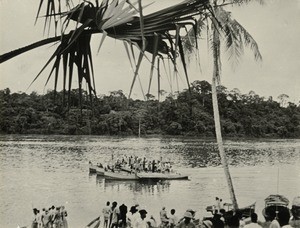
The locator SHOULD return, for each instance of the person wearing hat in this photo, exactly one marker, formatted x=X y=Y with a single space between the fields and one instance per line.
x=295 y=220
x=132 y=216
x=141 y=222
x=187 y=221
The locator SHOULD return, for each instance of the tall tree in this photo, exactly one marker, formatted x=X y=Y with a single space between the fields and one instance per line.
x=235 y=36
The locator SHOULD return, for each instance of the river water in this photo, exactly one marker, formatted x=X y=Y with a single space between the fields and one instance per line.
x=41 y=171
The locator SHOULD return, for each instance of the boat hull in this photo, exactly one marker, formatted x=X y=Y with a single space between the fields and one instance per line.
x=119 y=176
x=161 y=176
x=100 y=171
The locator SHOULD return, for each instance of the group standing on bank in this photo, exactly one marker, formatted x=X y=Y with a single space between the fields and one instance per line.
x=52 y=217
x=114 y=216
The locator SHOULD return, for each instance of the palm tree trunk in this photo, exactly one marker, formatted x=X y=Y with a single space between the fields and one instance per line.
x=216 y=76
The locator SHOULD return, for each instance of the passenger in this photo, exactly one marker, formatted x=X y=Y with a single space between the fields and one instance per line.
x=163 y=217
x=253 y=223
x=115 y=215
x=106 y=211
x=141 y=222
x=173 y=220
x=295 y=220
x=187 y=221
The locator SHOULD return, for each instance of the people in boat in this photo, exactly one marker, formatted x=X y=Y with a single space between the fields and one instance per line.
x=295 y=210
x=187 y=221
x=106 y=211
x=115 y=215
x=163 y=216
x=253 y=224
x=173 y=219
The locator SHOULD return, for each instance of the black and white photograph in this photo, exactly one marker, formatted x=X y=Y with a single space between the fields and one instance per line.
x=150 y=114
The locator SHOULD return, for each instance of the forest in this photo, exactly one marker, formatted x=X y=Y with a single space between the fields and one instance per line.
x=186 y=113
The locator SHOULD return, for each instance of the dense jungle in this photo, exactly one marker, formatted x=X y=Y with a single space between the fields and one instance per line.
x=187 y=113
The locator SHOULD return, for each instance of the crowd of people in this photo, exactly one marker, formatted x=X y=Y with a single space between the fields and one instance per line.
x=138 y=164
x=52 y=217
x=114 y=216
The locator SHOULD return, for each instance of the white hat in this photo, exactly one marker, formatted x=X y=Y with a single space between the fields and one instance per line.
x=188 y=215
x=296 y=201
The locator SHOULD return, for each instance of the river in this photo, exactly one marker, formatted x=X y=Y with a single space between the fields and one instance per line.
x=44 y=170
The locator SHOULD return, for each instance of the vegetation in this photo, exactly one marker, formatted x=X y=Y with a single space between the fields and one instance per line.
x=242 y=115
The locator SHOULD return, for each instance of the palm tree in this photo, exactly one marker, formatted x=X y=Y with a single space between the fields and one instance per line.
x=235 y=37
x=157 y=33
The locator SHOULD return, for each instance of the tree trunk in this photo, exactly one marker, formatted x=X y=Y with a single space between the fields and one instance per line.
x=215 y=78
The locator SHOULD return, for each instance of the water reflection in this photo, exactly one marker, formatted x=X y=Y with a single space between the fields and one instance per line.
x=147 y=187
x=46 y=170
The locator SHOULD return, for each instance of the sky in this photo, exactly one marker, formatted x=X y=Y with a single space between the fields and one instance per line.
x=275 y=26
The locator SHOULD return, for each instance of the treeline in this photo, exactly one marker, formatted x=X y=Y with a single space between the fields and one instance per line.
x=187 y=113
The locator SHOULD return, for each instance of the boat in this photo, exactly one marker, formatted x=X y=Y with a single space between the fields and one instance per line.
x=92 y=167
x=98 y=169
x=274 y=204
x=120 y=175
x=245 y=212
x=161 y=176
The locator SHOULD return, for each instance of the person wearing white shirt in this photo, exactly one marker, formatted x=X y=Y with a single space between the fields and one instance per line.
x=173 y=220
x=253 y=223
x=141 y=222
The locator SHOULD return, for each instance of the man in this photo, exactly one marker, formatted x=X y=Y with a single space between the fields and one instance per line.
x=295 y=221
x=284 y=218
x=186 y=222
x=173 y=220
x=216 y=207
x=163 y=216
x=132 y=216
x=106 y=211
x=253 y=223
x=141 y=221
x=115 y=215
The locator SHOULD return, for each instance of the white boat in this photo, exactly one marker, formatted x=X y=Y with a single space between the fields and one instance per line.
x=120 y=176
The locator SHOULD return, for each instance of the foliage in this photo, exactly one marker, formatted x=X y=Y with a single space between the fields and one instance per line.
x=242 y=115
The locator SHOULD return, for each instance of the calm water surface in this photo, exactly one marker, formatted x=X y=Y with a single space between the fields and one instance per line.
x=41 y=171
